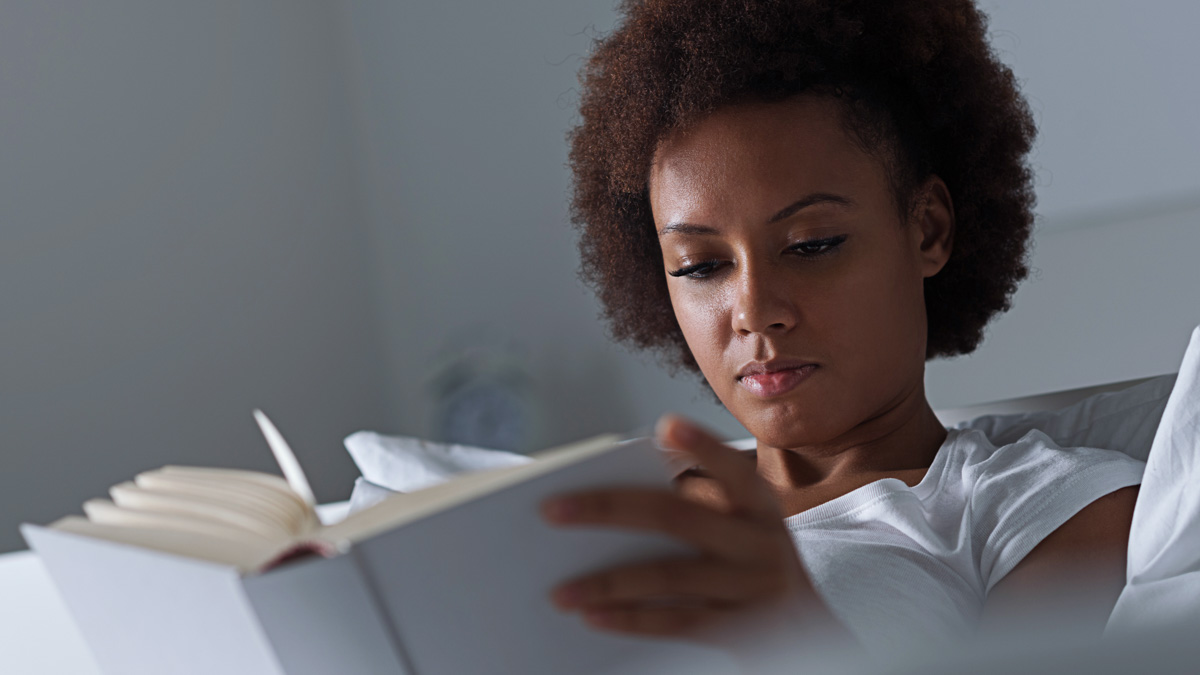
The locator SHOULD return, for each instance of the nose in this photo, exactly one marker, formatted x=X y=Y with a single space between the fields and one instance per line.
x=762 y=303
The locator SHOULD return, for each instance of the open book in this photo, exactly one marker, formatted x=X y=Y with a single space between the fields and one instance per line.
x=253 y=520
x=180 y=571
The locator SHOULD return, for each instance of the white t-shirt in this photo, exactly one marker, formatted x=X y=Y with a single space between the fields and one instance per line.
x=902 y=566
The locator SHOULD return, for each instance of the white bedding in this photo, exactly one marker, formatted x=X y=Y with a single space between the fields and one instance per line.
x=1163 y=575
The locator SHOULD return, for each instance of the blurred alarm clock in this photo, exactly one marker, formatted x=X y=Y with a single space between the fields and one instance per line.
x=484 y=397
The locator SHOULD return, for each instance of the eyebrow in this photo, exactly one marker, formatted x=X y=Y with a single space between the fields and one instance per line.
x=787 y=212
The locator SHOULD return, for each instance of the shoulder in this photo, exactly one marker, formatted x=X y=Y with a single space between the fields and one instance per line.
x=1079 y=568
x=1021 y=493
x=1100 y=526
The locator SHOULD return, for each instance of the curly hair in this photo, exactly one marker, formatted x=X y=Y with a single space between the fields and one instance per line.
x=920 y=89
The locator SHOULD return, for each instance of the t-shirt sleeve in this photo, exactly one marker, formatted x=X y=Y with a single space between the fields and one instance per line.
x=1028 y=489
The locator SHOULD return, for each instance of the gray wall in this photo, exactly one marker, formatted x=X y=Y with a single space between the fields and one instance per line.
x=1113 y=86
x=1115 y=290
x=462 y=109
x=1106 y=303
x=180 y=242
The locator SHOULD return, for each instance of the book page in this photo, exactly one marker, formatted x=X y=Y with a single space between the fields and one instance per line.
x=264 y=524
x=243 y=518
x=261 y=496
x=245 y=553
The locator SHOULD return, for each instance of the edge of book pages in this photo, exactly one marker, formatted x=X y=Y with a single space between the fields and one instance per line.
x=251 y=554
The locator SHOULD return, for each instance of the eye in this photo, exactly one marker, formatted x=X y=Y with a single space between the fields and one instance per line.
x=698 y=271
x=815 y=248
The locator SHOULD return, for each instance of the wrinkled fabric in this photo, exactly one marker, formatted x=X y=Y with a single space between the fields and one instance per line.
x=910 y=567
x=1163 y=573
x=404 y=464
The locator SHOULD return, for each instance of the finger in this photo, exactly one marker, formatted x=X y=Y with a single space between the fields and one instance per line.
x=736 y=474
x=723 y=535
x=655 y=621
x=697 y=487
x=707 y=580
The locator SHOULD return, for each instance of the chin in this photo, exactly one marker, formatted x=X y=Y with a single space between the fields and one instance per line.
x=788 y=439
x=786 y=424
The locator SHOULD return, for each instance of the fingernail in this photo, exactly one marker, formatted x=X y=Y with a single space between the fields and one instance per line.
x=684 y=431
x=662 y=425
x=560 y=510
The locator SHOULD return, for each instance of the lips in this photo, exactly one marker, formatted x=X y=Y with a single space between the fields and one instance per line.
x=775 y=377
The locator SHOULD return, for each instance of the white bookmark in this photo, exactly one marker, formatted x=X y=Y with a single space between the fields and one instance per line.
x=286 y=459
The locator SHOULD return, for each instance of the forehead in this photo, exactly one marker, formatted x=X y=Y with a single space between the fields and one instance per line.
x=762 y=152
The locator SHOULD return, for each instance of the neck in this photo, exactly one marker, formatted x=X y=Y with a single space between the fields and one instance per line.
x=901 y=439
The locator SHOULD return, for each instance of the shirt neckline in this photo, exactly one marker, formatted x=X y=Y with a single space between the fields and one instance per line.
x=875 y=490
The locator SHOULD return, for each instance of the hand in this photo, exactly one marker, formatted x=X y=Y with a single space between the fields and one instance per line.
x=747 y=564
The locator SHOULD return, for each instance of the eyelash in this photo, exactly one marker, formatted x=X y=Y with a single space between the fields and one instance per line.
x=703 y=270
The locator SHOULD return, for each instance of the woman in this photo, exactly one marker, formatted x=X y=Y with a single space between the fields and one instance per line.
x=804 y=201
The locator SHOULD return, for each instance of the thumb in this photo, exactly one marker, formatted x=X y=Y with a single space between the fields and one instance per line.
x=730 y=468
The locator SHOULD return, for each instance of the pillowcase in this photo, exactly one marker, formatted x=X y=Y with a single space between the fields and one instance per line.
x=1125 y=420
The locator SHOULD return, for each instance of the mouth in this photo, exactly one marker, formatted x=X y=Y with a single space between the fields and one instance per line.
x=774 y=378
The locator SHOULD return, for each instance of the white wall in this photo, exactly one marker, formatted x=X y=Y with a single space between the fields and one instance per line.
x=180 y=243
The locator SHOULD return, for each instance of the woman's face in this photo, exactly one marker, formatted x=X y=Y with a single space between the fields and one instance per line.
x=798 y=288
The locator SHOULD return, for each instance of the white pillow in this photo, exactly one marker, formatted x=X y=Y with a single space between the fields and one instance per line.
x=403 y=464
x=1123 y=420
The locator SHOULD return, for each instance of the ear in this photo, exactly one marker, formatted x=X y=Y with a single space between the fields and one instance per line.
x=933 y=225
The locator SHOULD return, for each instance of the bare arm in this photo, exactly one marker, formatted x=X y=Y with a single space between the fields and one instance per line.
x=1078 y=571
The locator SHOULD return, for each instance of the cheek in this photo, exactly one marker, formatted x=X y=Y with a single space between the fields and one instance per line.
x=879 y=321
x=703 y=316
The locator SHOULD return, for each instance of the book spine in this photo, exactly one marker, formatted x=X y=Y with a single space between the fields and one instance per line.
x=321 y=616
